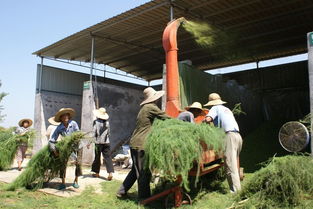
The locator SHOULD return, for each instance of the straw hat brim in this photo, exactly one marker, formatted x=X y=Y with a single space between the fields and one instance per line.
x=191 y=107
x=53 y=122
x=215 y=102
x=58 y=115
x=30 y=122
x=100 y=115
x=153 y=98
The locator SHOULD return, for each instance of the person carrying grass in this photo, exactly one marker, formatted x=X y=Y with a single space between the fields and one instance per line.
x=23 y=128
x=148 y=113
x=66 y=127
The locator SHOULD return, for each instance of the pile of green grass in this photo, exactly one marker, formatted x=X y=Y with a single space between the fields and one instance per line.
x=8 y=146
x=284 y=182
x=173 y=146
x=44 y=166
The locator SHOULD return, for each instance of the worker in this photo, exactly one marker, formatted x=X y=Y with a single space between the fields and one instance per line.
x=101 y=131
x=23 y=128
x=223 y=117
x=66 y=127
x=148 y=113
x=191 y=112
x=51 y=128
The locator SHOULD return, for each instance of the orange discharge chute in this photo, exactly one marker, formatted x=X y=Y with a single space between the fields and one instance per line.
x=172 y=74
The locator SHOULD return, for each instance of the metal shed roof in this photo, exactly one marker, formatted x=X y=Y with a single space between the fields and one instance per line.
x=132 y=41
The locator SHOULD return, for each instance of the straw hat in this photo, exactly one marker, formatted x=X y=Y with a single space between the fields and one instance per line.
x=151 y=95
x=63 y=111
x=101 y=113
x=30 y=122
x=53 y=122
x=214 y=99
x=195 y=105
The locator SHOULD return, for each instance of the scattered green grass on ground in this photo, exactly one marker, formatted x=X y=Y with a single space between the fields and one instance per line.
x=219 y=198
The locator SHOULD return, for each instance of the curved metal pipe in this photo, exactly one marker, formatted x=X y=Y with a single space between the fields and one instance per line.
x=172 y=74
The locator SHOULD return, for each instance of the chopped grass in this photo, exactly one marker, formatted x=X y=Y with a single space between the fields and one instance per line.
x=284 y=182
x=204 y=199
x=202 y=32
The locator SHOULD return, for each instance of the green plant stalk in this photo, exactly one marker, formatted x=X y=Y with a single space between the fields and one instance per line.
x=173 y=146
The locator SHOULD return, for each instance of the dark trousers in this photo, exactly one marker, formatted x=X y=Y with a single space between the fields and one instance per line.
x=106 y=152
x=137 y=172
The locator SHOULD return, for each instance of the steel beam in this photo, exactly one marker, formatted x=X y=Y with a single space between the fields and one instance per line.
x=92 y=59
x=40 y=75
x=310 y=67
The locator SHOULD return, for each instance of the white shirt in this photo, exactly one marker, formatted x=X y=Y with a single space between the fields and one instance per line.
x=50 y=131
x=224 y=118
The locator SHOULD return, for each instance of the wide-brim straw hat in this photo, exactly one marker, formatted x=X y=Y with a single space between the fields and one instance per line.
x=214 y=99
x=151 y=95
x=101 y=113
x=63 y=111
x=53 y=122
x=30 y=122
x=195 y=105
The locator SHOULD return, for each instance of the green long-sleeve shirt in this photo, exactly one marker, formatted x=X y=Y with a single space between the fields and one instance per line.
x=145 y=118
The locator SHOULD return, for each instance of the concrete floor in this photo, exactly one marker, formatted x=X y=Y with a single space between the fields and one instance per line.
x=84 y=181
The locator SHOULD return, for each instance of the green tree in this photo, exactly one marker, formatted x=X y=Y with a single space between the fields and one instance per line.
x=2 y=95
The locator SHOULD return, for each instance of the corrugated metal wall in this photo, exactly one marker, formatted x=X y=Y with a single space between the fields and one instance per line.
x=60 y=80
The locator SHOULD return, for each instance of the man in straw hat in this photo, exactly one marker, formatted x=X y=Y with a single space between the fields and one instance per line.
x=191 y=112
x=66 y=127
x=101 y=131
x=23 y=128
x=223 y=117
x=148 y=112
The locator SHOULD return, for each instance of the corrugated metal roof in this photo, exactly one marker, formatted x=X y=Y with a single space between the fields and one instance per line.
x=132 y=41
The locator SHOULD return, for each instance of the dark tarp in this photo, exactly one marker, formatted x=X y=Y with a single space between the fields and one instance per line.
x=270 y=97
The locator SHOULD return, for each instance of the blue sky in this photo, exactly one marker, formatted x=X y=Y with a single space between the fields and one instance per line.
x=29 y=25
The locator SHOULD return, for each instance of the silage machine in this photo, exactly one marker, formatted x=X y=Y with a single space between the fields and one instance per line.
x=210 y=161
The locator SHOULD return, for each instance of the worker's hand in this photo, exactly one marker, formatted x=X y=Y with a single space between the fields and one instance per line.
x=207 y=119
x=88 y=146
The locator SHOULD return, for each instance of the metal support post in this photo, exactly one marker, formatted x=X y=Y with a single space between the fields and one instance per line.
x=92 y=57
x=310 y=68
x=40 y=75
x=171 y=11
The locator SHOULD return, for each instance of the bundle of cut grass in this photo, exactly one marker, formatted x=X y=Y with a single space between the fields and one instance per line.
x=173 y=146
x=8 y=146
x=7 y=155
x=43 y=166
x=284 y=182
x=5 y=134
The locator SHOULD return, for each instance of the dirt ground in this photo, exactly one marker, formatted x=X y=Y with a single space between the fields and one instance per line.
x=84 y=181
